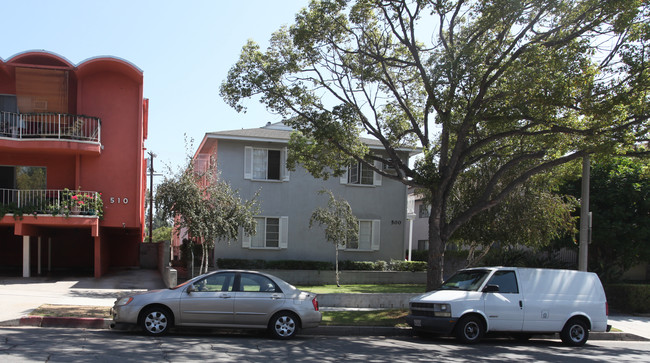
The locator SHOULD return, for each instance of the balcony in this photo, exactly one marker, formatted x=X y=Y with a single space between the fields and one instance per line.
x=53 y=202
x=55 y=132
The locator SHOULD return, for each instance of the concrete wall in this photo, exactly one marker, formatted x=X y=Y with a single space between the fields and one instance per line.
x=298 y=198
x=149 y=255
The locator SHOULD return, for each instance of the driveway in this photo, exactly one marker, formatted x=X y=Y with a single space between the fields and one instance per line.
x=20 y=295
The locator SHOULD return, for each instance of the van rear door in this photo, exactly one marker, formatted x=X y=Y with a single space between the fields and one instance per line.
x=504 y=309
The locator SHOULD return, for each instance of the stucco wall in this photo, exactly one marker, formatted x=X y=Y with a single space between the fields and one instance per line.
x=298 y=198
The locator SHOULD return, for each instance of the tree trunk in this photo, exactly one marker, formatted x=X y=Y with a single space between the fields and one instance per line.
x=436 y=260
x=336 y=247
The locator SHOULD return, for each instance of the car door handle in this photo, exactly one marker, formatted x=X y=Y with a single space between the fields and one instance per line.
x=521 y=304
x=275 y=297
x=225 y=296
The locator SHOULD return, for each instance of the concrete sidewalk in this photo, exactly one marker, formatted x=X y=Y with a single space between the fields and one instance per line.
x=20 y=296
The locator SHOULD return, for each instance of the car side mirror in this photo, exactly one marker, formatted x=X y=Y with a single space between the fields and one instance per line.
x=190 y=289
x=491 y=288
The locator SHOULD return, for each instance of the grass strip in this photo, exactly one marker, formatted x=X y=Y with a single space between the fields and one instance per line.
x=72 y=311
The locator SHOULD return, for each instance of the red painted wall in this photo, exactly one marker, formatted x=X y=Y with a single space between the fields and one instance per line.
x=111 y=89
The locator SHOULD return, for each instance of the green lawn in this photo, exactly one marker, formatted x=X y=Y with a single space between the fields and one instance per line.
x=369 y=288
x=392 y=317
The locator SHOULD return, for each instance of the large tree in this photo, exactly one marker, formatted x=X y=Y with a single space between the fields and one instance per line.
x=204 y=206
x=514 y=88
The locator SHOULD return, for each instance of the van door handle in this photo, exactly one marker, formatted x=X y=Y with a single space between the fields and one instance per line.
x=521 y=304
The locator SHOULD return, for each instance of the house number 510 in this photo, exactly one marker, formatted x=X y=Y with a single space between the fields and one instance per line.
x=119 y=200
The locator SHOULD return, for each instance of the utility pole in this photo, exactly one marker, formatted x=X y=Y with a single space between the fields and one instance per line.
x=584 y=216
x=151 y=156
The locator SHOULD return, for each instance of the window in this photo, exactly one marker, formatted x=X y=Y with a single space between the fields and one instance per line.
x=270 y=232
x=361 y=174
x=23 y=177
x=267 y=232
x=469 y=280
x=216 y=282
x=424 y=211
x=256 y=283
x=368 y=236
x=506 y=280
x=265 y=164
x=423 y=245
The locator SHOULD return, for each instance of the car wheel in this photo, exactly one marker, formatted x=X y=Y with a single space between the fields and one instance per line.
x=284 y=325
x=575 y=333
x=470 y=329
x=156 y=321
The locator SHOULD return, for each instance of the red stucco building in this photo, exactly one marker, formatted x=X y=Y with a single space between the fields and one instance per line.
x=72 y=166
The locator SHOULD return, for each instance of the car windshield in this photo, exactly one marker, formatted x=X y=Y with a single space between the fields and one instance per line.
x=469 y=280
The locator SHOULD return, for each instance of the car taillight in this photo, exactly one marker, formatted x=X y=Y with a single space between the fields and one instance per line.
x=315 y=303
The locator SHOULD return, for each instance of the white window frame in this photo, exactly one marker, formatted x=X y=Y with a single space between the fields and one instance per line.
x=249 y=162
x=358 y=170
x=374 y=243
x=283 y=237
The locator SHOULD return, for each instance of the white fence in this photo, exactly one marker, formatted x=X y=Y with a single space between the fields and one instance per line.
x=50 y=126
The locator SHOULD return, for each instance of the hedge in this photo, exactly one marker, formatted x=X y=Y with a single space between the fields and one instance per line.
x=629 y=298
x=394 y=265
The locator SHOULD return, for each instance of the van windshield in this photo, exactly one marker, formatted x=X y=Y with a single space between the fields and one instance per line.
x=469 y=280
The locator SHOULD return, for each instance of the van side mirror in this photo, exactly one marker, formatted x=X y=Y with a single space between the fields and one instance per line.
x=491 y=288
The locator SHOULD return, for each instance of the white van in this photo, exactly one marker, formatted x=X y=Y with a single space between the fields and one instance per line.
x=522 y=301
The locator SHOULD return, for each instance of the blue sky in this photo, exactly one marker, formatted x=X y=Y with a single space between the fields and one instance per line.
x=185 y=49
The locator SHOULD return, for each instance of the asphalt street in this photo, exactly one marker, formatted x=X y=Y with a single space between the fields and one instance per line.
x=25 y=344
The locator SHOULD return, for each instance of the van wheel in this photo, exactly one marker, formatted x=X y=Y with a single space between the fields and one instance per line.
x=470 y=329
x=575 y=333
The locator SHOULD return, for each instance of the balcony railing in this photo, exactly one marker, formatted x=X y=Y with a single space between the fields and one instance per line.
x=60 y=126
x=51 y=201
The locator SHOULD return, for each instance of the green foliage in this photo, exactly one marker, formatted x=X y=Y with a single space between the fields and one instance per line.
x=339 y=222
x=502 y=90
x=162 y=234
x=620 y=205
x=341 y=226
x=233 y=263
x=526 y=257
x=629 y=298
x=205 y=206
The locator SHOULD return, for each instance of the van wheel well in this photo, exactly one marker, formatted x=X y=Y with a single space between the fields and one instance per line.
x=583 y=318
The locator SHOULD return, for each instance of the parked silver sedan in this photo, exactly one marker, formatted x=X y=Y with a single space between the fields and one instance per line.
x=224 y=298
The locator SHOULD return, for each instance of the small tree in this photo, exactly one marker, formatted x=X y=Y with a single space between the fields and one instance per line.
x=207 y=207
x=340 y=224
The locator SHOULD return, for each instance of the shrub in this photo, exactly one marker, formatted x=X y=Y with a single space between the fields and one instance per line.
x=394 y=265
x=413 y=266
x=629 y=298
x=235 y=263
x=357 y=265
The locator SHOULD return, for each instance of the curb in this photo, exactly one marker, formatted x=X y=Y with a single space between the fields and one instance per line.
x=99 y=323
x=52 y=322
